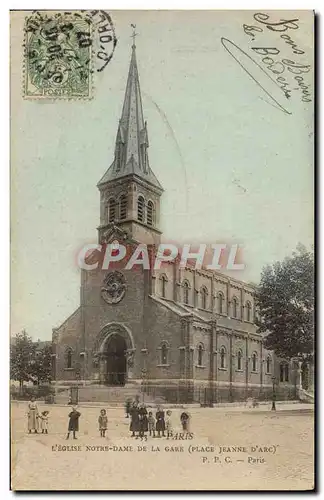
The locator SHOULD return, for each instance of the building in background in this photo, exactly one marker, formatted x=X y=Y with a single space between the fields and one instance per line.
x=178 y=333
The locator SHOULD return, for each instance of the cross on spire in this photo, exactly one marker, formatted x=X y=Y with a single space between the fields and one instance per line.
x=134 y=34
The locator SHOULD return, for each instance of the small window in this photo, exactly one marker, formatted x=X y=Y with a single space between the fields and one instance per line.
x=69 y=358
x=235 y=307
x=163 y=285
x=223 y=357
x=239 y=360
x=204 y=294
x=141 y=209
x=112 y=210
x=220 y=303
x=254 y=361
x=248 y=309
x=150 y=213
x=284 y=372
x=164 y=354
x=123 y=207
x=200 y=354
x=268 y=365
x=186 y=292
x=281 y=373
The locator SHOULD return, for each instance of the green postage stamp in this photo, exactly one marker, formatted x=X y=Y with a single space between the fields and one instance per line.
x=58 y=55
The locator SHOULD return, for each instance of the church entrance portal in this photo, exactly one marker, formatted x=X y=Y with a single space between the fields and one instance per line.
x=116 y=365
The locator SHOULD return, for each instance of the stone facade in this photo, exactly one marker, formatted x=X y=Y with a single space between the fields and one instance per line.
x=183 y=334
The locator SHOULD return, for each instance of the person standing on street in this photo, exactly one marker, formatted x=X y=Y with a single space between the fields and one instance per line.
x=74 y=416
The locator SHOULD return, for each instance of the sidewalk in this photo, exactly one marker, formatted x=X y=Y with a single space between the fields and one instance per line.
x=264 y=406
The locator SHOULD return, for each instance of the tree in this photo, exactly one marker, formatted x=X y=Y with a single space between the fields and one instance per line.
x=22 y=351
x=285 y=298
x=41 y=364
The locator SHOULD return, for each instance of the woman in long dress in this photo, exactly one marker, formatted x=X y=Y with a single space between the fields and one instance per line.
x=134 y=425
x=32 y=416
x=160 y=421
x=143 y=422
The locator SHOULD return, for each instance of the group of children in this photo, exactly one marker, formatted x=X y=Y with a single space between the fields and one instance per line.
x=159 y=425
x=142 y=421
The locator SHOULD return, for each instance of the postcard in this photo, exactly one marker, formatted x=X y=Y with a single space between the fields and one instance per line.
x=162 y=250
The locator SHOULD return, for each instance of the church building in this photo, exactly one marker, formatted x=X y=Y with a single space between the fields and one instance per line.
x=182 y=334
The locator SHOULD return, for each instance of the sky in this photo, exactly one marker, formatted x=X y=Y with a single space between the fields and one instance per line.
x=235 y=167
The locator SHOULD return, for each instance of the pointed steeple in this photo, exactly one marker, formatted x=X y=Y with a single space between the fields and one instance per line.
x=132 y=139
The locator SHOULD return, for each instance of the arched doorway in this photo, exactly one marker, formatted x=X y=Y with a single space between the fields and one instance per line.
x=113 y=355
x=116 y=366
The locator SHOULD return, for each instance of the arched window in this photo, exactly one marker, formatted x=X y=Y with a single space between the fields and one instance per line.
x=164 y=353
x=204 y=293
x=220 y=302
x=284 y=372
x=112 y=210
x=150 y=213
x=200 y=354
x=254 y=361
x=268 y=364
x=123 y=207
x=186 y=292
x=222 y=357
x=248 y=308
x=69 y=358
x=141 y=209
x=239 y=360
x=164 y=281
x=287 y=373
x=234 y=307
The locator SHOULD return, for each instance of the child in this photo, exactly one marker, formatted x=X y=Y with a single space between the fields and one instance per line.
x=73 y=422
x=43 y=420
x=168 y=423
x=151 y=424
x=184 y=419
x=103 y=422
x=128 y=405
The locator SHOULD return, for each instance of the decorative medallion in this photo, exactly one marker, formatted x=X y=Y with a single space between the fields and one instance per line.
x=114 y=287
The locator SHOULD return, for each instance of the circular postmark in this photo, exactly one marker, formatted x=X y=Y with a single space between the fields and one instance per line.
x=104 y=38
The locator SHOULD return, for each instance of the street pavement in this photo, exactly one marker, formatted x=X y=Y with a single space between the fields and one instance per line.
x=228 y=448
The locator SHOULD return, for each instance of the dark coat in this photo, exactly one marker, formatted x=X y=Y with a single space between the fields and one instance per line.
x=134 y=425
x=74 y=420
x=160 y=422
x=143 y=422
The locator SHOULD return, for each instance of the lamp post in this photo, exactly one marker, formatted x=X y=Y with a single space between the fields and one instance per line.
x=144 y=373
x=273 y=407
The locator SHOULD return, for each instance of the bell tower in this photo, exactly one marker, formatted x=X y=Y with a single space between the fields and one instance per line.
x=129 y=191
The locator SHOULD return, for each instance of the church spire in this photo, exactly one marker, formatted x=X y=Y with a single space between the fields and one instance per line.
x=131 y=146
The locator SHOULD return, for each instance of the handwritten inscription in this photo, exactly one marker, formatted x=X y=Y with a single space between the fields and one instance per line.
x=276 y=74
